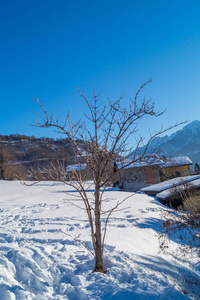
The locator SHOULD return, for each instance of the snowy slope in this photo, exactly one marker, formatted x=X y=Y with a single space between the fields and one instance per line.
x=38 y=261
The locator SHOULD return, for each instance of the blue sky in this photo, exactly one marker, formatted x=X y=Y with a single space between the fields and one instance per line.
x=49 y=46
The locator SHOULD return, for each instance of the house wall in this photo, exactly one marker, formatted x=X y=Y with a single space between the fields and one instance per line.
x=173 y=172
x=133 y=179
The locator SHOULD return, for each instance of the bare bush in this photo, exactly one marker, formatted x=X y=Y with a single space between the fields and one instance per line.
x=192 y=202
x=181 y=232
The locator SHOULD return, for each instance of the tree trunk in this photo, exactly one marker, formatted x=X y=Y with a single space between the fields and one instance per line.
x=98 y=241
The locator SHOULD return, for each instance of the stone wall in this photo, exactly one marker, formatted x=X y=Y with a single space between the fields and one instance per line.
x=133 y=179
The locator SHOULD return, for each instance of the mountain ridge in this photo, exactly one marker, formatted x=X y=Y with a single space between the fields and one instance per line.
x=185 y=141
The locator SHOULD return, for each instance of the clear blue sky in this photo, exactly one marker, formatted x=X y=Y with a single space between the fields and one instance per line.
x=49 y=46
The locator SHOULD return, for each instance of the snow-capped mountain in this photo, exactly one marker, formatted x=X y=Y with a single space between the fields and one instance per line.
x=183 y=142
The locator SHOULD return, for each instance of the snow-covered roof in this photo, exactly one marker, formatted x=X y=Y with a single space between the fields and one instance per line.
x=140 y=161
x=167 y=194
x=159 y=187
x=177 y=161
x=77 y=167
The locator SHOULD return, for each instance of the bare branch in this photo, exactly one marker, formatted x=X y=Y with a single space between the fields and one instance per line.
x=79 y=242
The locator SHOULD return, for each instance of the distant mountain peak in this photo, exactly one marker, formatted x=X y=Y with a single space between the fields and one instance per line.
x=184 y=142
x=193 y=123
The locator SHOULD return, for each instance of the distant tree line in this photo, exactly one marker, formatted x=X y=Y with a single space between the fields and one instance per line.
x=21 y=154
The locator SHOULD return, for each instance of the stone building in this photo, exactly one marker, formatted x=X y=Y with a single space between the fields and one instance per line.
x=175 y=167
x=142 y=172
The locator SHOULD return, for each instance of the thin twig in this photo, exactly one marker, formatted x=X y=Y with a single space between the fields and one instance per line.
x=79 y=242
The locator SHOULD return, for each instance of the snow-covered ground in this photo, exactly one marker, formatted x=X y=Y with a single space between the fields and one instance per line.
x=39 y=261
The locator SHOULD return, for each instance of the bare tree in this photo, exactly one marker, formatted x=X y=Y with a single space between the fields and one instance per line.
x=112 y=124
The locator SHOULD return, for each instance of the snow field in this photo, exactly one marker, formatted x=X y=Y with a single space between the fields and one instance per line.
x=39 y=261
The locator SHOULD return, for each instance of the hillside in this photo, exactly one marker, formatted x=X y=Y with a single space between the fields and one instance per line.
x=39 y=261
x=20 y=153
x=183 y=142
